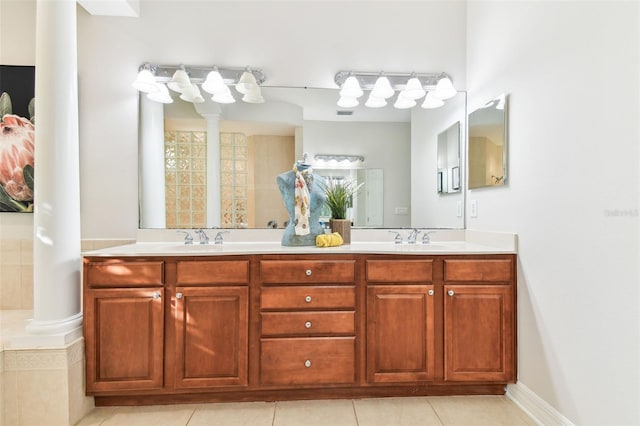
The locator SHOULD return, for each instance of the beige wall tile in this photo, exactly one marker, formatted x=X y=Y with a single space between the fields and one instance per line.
x=10 y=398
x=48 y=391
x=26 y=252
x=10 y=252
x=26 y=287
x=79 y=404
x=10 y=287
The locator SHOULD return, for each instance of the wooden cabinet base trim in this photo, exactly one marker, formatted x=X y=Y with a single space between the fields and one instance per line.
x=227 y=395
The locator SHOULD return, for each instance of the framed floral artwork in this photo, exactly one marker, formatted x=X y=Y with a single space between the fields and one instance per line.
x=17 y=137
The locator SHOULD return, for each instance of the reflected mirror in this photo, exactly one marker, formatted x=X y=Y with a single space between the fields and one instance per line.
x=448 y=173
x=187 y=151
x=488 y=144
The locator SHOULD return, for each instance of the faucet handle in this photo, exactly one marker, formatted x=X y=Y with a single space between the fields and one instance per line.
x=204 y=238
x=398 y=237
x=188 y=238
x=219 y=239
x=426 y=239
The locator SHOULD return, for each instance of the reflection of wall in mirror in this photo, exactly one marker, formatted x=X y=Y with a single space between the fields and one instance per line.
x=486 y=166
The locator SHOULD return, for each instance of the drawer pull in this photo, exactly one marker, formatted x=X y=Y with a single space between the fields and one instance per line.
x=308 y=272
x=307 y=363
x=307 y=324
x=450 y=293
x=307 y=299
x=156 y=295
x=430 y=292
x=178 y=295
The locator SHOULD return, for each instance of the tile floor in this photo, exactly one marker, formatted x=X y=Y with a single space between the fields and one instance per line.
x=440 y=410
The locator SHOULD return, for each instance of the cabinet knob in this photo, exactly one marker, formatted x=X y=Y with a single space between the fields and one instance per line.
x=307 y=299
x=308 y=272
x=450 y=293
x=430 y=292
x=178 y=295
x=307 y=363
x=307 y=324
x=156 y=295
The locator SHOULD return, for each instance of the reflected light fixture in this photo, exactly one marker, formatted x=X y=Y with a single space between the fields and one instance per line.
x=412 y=86
x=347 y=102
x=185 y=80
x=337 y=160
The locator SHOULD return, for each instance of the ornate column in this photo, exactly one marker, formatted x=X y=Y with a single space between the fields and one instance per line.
x=56 y=245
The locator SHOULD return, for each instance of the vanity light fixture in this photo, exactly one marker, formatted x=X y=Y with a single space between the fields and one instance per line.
x=432 y=101
x=214 y=80
x=161 y=95
x=336 y=160
x=411 y=86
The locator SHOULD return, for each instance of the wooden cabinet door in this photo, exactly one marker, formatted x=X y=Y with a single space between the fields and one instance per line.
x=400 y=333
x=124 y=333
x=479 y=333
x=212 y=328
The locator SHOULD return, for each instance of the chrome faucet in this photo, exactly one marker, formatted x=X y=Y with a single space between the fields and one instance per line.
x=188 y=238
x=413 y=236
x=398 y=237
x=426 y=239
x=204 y=238
x=219 y=239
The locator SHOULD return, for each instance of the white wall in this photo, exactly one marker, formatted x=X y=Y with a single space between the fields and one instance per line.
x=572 y=71
x=385 y=146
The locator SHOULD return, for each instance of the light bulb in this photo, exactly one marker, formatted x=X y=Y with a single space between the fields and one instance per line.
x=214 y=83
x=445 y=89
x=180 y=81
x=347 y=102
x=145 y=82
x=432 y=101
x=373 y=102
x=414 y=89
x=382 y=88
x=351 y=88
x=162 y=95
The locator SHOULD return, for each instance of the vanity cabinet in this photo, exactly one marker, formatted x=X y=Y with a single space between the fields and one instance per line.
x=400 y=321
x=163 y=329
x=479 y=320
x=211 y=323
x=307 y=322
x=123 y=325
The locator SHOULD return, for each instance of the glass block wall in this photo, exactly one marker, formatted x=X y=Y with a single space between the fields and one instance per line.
x=234 y=158
x=186 y=178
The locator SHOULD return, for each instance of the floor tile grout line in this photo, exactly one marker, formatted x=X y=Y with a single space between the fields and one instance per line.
x=273 y=418
x=355 y=412
x=435 y=411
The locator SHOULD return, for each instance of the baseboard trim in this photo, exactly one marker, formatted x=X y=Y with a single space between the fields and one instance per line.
x=537 y=408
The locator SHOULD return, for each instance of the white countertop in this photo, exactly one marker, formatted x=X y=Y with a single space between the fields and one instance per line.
x=246 y=248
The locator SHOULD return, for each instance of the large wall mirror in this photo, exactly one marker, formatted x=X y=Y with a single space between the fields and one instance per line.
x=488 y=144
x=210 y=164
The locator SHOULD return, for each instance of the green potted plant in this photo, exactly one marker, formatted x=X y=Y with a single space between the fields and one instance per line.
x=339 y=193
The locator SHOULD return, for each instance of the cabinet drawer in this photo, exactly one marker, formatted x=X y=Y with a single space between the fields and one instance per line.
x=125 y=274
x=478 y=270
x=308 y=323
x=212 y=272
x=307 y=271
x=308 y=297
x=307 y=361
x=387 y=271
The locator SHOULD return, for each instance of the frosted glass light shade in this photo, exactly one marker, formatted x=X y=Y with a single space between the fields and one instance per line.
x=162 y=95
x=180 y=81
x=214 y=83
x=373 y=102
x=351 y=88
x=224 y=98
x=347 y=102
x=414 y=89
x=432 y=101
x=382 y=88
x=246 y=83
x=403 y=102
x=145 y=82
x=445 y=89
x=192 y=94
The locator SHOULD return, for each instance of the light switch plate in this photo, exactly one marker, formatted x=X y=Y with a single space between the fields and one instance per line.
x=459 y=209
x=402 y=210
x=473 y=208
